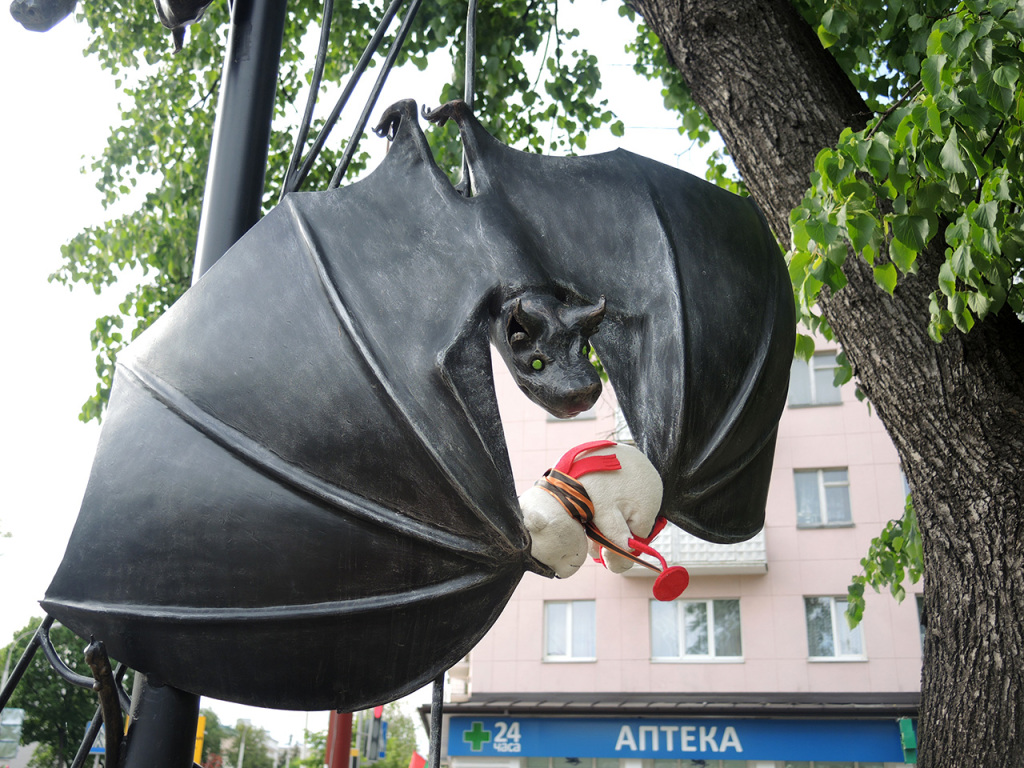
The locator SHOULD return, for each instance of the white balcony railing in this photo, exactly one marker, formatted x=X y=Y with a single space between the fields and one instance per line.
x=704 y=558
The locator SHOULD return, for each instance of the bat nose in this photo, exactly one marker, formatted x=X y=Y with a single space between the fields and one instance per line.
x=586 y=396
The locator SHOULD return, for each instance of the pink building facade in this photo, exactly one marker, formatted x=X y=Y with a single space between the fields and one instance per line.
x=754 y=666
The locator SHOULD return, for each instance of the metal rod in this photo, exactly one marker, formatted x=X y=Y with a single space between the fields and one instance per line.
x=26 y=658
x=238 y=157
x=62 y=669
x=339 y=105
x=436 y=713
x=90 y=738
x=122 y=696
x=314 y=88
x=371 y=102
x=469 y=89
x=469 y=84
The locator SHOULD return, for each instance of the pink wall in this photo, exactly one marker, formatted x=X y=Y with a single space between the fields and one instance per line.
x=812 y=562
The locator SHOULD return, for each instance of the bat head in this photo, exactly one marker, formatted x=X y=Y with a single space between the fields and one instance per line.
x=546 y=345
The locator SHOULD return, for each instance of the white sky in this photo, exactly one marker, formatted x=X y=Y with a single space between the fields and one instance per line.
x=58 y=107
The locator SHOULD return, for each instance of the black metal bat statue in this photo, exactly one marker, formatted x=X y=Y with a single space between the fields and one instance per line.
x=302 y=496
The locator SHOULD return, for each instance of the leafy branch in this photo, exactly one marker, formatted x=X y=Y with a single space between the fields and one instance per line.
x=894 y=556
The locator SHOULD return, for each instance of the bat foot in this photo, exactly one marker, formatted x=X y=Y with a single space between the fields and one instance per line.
x=456 y=110
x=393 y=116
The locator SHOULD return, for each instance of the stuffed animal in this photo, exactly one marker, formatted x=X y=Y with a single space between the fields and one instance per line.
x=615 y=507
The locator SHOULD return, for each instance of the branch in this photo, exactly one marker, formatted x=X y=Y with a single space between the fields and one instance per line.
x=201 y=101
x=995 y=135
x=898 y=103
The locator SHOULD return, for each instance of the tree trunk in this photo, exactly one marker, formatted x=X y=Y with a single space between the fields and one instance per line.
x=954 y=410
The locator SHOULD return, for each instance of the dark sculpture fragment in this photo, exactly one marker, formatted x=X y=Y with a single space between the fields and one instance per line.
x=302 y=496
x=43 y=15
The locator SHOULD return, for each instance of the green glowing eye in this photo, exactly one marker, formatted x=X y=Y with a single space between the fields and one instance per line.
x=537 y=363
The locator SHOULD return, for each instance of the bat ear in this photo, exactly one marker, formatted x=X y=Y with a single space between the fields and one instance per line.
x=586 y=319
x=521 y=324
x=477 y=143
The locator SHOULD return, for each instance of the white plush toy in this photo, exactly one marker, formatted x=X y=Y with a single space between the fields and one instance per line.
x=615 y=507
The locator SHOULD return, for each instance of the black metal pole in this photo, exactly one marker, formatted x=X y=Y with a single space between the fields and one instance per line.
x=163 y=727
x=238 y=156
x=436 y=715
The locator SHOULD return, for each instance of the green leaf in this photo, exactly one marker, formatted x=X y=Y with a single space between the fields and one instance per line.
x=961 y=262
x=879 y=157
x=912 y=231
x=804 y=346
x=824 y=233
x=947 y=280
x=799 y=234
x=903 y=257
x=986 y=214
x=863 y=231
x=934 y=120
x=827 y=38
x=931 y=73
x=1005 y=76
x=950 y=156
x=885 y=276
x=981 y=304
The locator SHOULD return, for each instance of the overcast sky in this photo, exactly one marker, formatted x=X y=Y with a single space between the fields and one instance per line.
x=58 y=108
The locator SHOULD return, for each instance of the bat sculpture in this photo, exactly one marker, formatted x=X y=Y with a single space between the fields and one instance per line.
x=302 y=497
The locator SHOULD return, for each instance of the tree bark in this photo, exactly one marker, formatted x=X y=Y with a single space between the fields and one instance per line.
x=955 y=410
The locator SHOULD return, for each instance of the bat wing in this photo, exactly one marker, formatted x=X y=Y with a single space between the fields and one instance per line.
x=301 y=496
x=699 y=332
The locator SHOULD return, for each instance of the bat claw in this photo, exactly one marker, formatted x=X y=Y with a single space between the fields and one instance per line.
x=456 y=110
x=393 y=116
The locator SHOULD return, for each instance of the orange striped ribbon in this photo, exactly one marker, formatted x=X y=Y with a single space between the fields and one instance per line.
x=575 y=500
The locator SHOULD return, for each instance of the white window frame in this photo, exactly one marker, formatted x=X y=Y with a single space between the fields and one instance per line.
x=690 y=658
x=820 y=361
x=823 y=485
x=837 y=608
x=568 y=656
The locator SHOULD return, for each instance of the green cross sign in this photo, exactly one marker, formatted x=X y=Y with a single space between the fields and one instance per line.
x=476 y=736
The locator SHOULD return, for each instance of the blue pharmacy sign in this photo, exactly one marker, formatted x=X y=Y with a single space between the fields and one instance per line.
x=671 y=738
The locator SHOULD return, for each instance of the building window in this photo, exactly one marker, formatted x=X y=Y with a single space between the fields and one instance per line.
x=570 y=631
x=695 y=629
x=828 y=633
x=822 y=497
x=810 y=382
